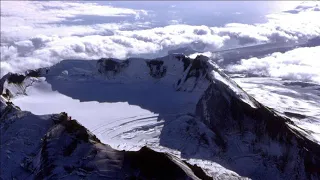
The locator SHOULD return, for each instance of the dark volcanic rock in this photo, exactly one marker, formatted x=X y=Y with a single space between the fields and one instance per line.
x=16 y=78
x=295 y=115
x=274 y=140
x=33 y=73
x=111 y=65
x=157 y=69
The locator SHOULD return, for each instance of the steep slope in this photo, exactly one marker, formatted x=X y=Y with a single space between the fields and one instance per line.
x=257 y=138
x=173 y=104
x=53 y=147
x=299 y=101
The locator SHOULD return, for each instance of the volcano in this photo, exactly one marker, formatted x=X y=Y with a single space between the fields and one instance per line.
x=187 y=108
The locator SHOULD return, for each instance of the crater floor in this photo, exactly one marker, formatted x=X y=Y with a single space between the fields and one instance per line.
x=118 y=114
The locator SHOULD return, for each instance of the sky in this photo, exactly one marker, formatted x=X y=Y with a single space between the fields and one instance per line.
x=38 y=34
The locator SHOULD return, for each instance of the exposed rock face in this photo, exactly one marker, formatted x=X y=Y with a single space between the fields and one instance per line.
x=19 y=81
x=68 y=150
x=274 y=142
x=251 y=139
x=109 y=65
x=157 y=69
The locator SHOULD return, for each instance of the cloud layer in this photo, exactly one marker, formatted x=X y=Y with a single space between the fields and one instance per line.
x=22 y=20
x=33 y=34
x=298 y=64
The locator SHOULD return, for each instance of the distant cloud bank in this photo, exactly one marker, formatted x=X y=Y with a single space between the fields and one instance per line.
x=298 y=64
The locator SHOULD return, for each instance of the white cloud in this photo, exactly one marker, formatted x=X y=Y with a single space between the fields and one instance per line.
x=298 y=64
x=299 y=23
x=30 y=18
x=54 y=11
x=32 y=35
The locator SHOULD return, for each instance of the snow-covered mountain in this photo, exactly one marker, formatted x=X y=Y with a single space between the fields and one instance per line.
x=174 y=104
